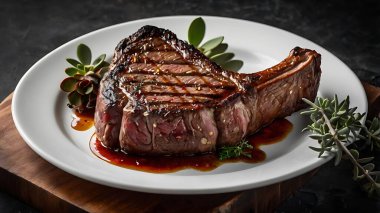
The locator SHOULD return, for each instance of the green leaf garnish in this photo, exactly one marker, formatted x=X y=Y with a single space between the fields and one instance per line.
x=73 y=62
x=335 y=125
x=83 y=83
x=75 y=98
x=227 y=152
x=71 y=71
x=213 y=48
x=99 y=60
x=219 y=49
x=84 y=54
x=69 y=84
x=211 y=44
x=196 y=31
x=222 y=58
x=233 y=65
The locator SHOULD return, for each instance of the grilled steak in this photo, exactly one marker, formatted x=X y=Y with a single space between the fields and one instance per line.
x=164 y=97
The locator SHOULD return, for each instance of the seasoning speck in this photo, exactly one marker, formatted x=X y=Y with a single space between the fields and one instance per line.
x=204 y=141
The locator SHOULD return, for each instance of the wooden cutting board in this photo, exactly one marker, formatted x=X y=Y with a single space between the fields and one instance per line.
x=32 y=179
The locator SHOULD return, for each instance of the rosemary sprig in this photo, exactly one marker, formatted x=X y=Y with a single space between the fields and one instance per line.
x=335 y=125
x=214 y=48
x=227 y=152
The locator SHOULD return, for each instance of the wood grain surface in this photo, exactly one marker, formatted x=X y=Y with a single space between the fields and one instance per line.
x=32 y=179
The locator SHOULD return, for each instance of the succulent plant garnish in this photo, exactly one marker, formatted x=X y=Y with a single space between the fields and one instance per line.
x=214 y=48
x=335 y=125
x=84 y=78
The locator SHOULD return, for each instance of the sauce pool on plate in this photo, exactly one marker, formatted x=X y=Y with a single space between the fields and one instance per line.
x=273 y=133
x=82 y=121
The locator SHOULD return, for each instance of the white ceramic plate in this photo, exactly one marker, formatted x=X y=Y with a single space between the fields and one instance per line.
x=43 y=120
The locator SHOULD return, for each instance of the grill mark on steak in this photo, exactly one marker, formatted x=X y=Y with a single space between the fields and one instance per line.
x=207 y=83
x=185 y=93
x=227 y=87
x=164 y=97
x=176 y=98
x=175 y=108
x=172 y=88
x=155 y=72
x=160 y=57
x=183 y=88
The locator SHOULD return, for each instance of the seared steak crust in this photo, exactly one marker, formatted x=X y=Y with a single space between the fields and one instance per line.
x=164 y=97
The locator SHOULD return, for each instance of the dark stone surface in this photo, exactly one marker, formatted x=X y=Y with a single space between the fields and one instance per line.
x=349 y=29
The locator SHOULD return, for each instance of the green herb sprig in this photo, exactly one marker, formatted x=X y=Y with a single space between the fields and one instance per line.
x=227 y=152
x=214 y=48
x=335 y=125
x=84 y=78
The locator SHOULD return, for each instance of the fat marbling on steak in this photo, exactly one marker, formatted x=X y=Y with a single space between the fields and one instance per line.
x=164 y=97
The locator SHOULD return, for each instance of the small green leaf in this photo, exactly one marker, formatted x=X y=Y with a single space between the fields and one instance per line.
x=356 y=173
x=341 y=112
x=354 y=153
x=377 y=132
x=84 y=54
x=219 y=49
x=80 y=66
x=315 y=148
x=226 y=152
x=196 y=31
x=71 y=71
x=306 y=129
x=98 y=61
x=211 y=44
x=334 y=119
x=365 y=160
x=68 y=84
x=73 y=62
x=344 y=131
x=222 y=57
x=81 y=69
x=316 y=136
x=233 y=65
x=377 y=173
x=307 y=112
x=338 y=157
x=75 y=98
x=374 y=126
x=310 y=103
x=369 y=167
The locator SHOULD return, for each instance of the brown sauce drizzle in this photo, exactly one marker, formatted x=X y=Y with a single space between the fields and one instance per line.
x=82 y=121
x=273 y=133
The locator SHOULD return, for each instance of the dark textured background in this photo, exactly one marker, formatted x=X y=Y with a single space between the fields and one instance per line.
x=349 y=29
